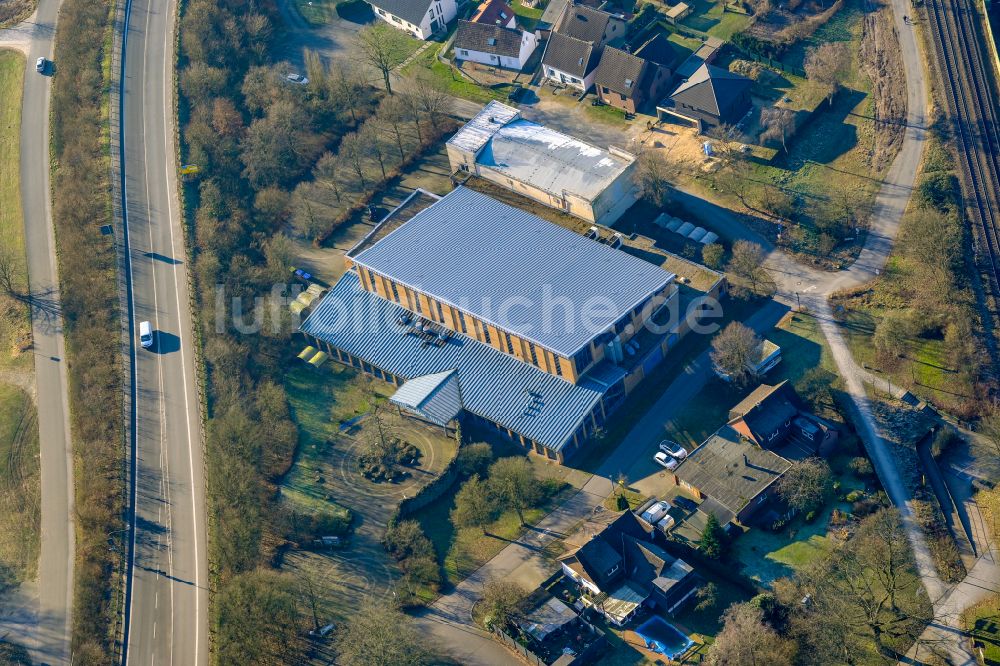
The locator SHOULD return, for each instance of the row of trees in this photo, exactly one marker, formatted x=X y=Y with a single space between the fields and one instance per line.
x=343 y=180
x=254 y=135
x=89 y=307
x=510 y=485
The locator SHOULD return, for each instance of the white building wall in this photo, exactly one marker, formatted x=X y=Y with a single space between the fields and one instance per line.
x=529 y=42
x=445 y=9
x=560 y=76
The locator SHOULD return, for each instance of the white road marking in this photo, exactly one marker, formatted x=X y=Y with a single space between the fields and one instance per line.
x=168 y=136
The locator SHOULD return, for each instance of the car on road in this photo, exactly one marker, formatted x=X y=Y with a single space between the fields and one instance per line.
x=145 y=334
x=673 y=449
x=684 y=503
x=291 y=77
x=664 y=460
x=41 y=65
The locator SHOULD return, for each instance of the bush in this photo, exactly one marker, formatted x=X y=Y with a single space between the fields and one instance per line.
x=862 y=467
x=811 y=516
x=943 y=441
x=474 y=459
x=414 y=552
x=937 y=190
x=854 y=495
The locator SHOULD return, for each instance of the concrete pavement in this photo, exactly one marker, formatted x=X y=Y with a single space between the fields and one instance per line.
x=46 y=623
x=166 y=613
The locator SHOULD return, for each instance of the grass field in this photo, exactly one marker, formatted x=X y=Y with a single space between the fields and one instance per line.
x=462 y=551
x=452 y=81
x=317 y=13
x=19 y=469
x=19 y=486
x=712 y=18
x=983 y=622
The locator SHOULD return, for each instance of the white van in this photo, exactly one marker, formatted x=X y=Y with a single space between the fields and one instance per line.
x=145 y=334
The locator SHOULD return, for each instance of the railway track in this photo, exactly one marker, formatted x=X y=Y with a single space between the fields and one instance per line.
x=968 y=91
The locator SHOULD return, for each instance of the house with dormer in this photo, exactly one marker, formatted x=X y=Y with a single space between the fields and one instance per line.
x=576 y=43
x=492 y=37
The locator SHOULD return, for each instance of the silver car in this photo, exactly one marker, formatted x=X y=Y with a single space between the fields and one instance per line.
x=674 y=449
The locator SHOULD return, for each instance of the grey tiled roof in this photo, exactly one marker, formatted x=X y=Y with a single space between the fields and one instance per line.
x=730 y=469
x=584 y=23
x=711 y=89
x=510 y=268
x=570 y=55
x=493 y=385
x=408 y=10
x=488 y=38
x=619 y=71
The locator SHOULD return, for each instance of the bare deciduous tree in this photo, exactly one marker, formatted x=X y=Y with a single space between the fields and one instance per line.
x=382 y=47
x=652 y=175
x=828 y=65
x=806 y=485
x=747 y=262
x=733 y=350
x=746 y=640
x=352 y=149
x=778 y=123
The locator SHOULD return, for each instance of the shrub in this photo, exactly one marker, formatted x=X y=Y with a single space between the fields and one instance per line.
x=937 y=190
x=854 y=495
x=474 y=459
x=811 y=516
x=862 y=467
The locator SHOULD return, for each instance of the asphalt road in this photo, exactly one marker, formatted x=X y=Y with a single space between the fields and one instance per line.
x=48 y=624
x=168 y=599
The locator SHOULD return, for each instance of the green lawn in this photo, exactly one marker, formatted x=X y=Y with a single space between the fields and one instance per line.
x=321 y=400
x=983 y=622
x=606 y=114
x=19 y=486
x=19 y=468
x=462 y=551
x=15 y=326
x=527 y=17
x=317 y=13
x=712 y=18
x=453 y=81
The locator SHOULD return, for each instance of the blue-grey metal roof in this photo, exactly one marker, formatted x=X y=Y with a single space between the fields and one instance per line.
x=436 y=397
x=493 y=385
x=514 y=270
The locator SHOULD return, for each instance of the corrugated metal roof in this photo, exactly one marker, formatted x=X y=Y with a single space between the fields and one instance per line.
x=493 y=385
x=436 y=397
x=475 y=133
x=517 y=271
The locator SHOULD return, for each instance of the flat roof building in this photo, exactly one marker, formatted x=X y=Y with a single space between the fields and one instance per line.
x=543 y=164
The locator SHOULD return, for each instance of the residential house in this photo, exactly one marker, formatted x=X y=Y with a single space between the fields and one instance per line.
x=550 y=167
x=772 y=415
x=735 y=473
x=446 y=306
x=621 y=570
x=627 y=80
x=576 y=43
x=493 y=38
x=508 y=48
x=495 y=12
x=735 y=469
x=712 y=96
x=420 y=18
